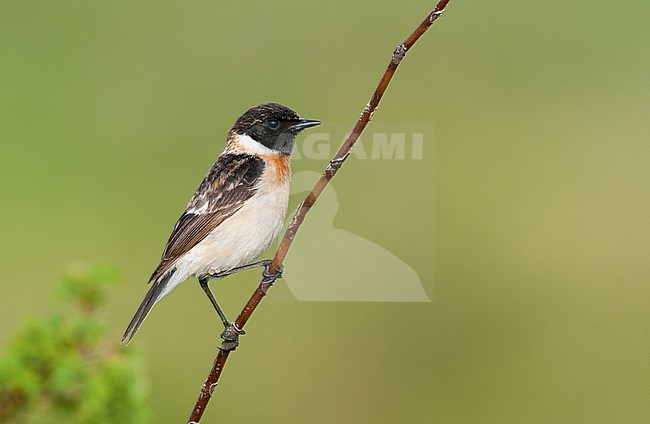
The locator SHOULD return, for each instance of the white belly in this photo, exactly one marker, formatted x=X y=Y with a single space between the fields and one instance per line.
x=240 y=238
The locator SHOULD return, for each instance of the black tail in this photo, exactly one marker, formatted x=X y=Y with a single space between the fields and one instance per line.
x=152 y=296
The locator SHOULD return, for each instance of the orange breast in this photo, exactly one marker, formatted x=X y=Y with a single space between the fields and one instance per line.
x=277 y=167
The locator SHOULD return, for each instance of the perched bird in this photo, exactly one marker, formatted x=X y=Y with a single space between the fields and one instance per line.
x=236 y=212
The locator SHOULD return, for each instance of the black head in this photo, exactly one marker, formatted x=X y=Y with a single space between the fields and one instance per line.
x=272 y=125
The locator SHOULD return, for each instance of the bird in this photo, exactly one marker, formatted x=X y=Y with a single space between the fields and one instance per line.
x=236 y=212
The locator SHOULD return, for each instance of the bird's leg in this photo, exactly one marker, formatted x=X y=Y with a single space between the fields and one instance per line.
x=204 y=285
x=264 y=263
x=231 y=333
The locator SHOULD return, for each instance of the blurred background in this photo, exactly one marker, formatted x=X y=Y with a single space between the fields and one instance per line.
x=526 y=218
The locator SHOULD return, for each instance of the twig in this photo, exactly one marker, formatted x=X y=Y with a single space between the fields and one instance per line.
x=332 y=168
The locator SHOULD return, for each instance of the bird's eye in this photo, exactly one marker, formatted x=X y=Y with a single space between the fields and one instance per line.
x=273 y=124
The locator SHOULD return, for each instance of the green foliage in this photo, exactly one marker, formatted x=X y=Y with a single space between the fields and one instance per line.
x=63 y=368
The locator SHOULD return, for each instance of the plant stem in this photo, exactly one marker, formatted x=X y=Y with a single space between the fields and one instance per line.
x=332 y=168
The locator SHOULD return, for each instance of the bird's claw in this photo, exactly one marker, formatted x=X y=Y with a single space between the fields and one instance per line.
x=268 y=275
x=230 y=336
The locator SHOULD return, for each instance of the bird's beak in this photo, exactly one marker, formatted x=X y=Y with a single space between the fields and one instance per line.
x=303 y=124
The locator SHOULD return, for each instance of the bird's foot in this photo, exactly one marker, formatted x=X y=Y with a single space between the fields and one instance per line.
x=230 y=336
x=267 y=274
x=270 y=277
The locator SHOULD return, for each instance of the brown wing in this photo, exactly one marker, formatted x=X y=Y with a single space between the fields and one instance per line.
x=231 y=181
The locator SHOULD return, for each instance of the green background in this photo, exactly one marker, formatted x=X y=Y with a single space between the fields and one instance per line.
x=526 y=220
